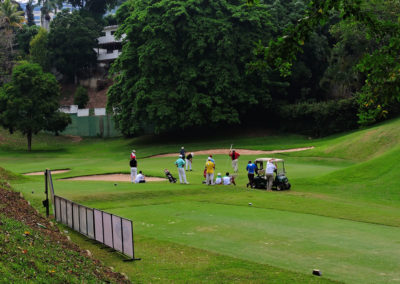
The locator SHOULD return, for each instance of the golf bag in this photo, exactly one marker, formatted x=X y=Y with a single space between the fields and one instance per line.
x=170 y=177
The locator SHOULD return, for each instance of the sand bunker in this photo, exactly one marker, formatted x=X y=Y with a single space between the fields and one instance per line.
x=240 y=151
x=113 y=177
x=42 y=173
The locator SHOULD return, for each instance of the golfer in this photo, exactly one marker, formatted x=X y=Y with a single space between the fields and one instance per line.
x=235 y=156
x=269 y=174
x=210 y=168
x=180 y=163
x=251 y=169
x=218 y=180
x=182 y=152
x=133 y=165
x=189 y=159
x=140 y=178
x=133 y=154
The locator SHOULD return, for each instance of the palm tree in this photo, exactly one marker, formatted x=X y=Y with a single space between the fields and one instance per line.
x=48 y=6
x=10 y=16
x=29 y=12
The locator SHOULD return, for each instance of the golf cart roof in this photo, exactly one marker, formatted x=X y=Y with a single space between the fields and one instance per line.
x=268 y=159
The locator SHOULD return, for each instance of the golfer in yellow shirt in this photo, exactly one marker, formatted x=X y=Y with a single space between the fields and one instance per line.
x=210 y=168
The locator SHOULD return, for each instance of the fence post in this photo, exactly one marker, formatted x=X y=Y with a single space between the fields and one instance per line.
x=46 y=191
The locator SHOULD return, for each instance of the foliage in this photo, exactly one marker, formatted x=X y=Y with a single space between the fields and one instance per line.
x=94 y=6
x=71 y=43
x=38 y=50
x=24 y=36
x=29 y=13
x=29 y=101
x=81 y=97
x=319 y=118
x=379 y=89
x=184 y=64
x=29 y=256
x=10 y=16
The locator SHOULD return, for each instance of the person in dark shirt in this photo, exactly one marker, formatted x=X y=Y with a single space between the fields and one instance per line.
x=183 y=152
x=189 y=159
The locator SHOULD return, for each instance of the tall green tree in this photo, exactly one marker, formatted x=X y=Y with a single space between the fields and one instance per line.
x=71 y=43
x=29 y=103
x=38 y=50
x=24 y=36
x=380 y=67
x=183 y=64
x=11 y=18
x=30 y=6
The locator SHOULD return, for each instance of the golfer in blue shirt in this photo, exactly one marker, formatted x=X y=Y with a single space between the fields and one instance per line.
x=251 y=169
x=180 y=163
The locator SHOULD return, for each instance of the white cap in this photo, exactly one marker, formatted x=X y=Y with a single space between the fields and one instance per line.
x=182 y=147
x=209 y=158
x=133 y=151
x=219 y=174
x=180 y=156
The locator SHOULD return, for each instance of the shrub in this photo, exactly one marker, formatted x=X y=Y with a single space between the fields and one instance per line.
x=319 y=118
x=81 y=97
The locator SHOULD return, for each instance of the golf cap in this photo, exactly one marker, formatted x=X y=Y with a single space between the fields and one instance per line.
x=209 y=158
x=180 y=156
x=183 y=147
x=219 y=174
x=133 y=151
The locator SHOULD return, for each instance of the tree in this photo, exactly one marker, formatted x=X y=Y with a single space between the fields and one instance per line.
x=183 y=64
x=10 y=19
x=81 y=97
x=38 y=50
x=29 y=12
x=24 y=36
x=47 y=7
x=30 y=101
x=380 y=67
x=71 y=43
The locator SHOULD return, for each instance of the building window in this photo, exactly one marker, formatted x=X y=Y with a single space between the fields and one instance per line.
x=112 y=32
x=103 y=34
x=110 y=50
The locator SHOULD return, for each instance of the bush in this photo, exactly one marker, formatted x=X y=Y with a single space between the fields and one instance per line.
x=319 y=118
x=81 y=97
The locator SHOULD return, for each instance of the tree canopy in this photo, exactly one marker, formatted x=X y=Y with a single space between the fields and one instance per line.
x=71 y=43
x=29 y=103
x=380 y=65
x=184 y=64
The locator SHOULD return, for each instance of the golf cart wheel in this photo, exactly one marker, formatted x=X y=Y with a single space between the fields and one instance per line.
x=288 y=185
x=279 y=187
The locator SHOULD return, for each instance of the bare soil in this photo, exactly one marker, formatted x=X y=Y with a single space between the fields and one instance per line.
x=240 y=151
x=13 y=205
x=114 y=177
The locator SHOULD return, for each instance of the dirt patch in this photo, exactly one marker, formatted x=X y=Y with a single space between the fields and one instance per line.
x=240 y=151
x=42 y=173
x=113 y=177
x=13 y=205
x=74 y=138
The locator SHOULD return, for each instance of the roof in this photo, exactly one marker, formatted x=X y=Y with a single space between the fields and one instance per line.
x=269 y=159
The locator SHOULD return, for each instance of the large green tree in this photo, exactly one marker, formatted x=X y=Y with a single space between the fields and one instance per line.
x=38 y=50
x=381 y=66
x=30 y=102
x=71 y=43
x=184 y=63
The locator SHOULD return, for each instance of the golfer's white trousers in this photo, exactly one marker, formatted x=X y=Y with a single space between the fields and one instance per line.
x=188 y=163
x=235 y=165
x=133 y=174
x=210 y=178
x=182 y=175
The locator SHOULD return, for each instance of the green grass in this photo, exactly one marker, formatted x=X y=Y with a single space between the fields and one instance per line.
x=342 y=214
x=26 y=256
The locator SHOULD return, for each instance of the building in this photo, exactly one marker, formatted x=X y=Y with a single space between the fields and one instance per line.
x=109 y=48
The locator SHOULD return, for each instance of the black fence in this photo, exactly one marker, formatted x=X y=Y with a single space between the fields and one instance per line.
x=108 y=229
